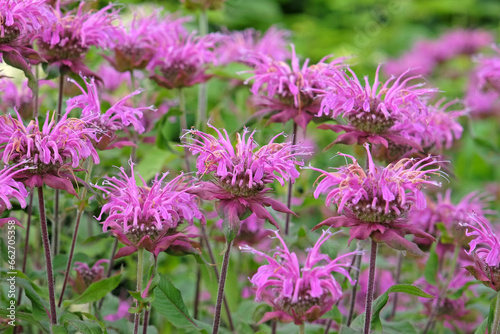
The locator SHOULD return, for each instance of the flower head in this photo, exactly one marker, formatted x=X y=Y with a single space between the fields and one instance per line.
x=147 y=216
x=73 y=33
x=240 y=46
x=11 y=189
x=241 y=174
x=86 y=275
x=289 y=92
x=135 y=44
x=374 y=202
x=372 y=111
x=181 y=61
x=118 y=117
x=298 y=293
x=50 y=154
x=14 y=97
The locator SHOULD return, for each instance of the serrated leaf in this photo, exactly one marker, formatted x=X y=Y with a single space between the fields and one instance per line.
x=168 y=302
x=96 y=291
x=85 y=327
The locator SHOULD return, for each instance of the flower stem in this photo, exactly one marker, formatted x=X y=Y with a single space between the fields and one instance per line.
x=290 y=185
x=222 y=283
x=495 y=326
x=369 y=292
x=110 y=268
x=442 y=290
x=352 y=302
x=302 y=329
x=26 y=242
x=398 y=278
x=183 y=120
x=145 y=322
x=57 y=224
x=197 y=291
x=217 y=277
x=140 y=268
x=48 y=258
x=36 y=96
x=79 y=213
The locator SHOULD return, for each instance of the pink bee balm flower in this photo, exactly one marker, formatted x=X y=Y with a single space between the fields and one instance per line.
x=51 y=154
x=147 y=216
x=241 y=174
x=289 y=92
x=296 y=293
x=66 y=42
x=135 y=44
x=485 y=248
x=86 y=275
x=9 y=190
x=372 y=112
x=181 y=61
x=14 y=97
x=239 y=46
x=374 y=202
x=118 y=117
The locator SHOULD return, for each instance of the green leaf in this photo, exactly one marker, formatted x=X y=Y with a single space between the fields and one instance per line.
x=59 y=329
x=38 y=304
x=85 y=327
x=482 y=328
x=431 y=267
x=168 y=302
x=96 y=291
x=491 y=314
x=381 y=301
x=348 y=330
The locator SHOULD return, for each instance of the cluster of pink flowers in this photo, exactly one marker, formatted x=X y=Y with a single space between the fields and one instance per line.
x=136 y=44
x=374 y=202
x=298 y=293
x=52 y=152
x=118 y=117
x=241 y=174
x=241 y=46
x=427 y=54
x=483 y=92
x=148 y=216
x=68 y=39
x=9 y=190
x=86 y=275
x=289 y=92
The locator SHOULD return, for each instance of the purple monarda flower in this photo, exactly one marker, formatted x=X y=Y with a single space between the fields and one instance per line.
x=51 y=154
x=181 y=61
x=66 y=42
x=11 y=189
x=19 y=98
x=372 y=111
x=135 y=44
x=486 y=250
x=147 y=216
x=118 y=117
x=240 y=46
x=298 y=293
x=86 y=275
x=241 y=175
x=289 y=92
x=374 y=202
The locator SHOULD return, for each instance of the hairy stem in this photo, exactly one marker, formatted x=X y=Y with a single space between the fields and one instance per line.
x=290 y=185
x=222 y=283
x=145 y=322
x=26 y=242
x=302 y=329
x=140 y=268
x=398 y=278
x=369 y=292
x=352 y=301
x=183 y=121
x=48 y=257
x=443 y=290
x=56 y=231
x=217 y=277
x=197 y=291
x=79 y=213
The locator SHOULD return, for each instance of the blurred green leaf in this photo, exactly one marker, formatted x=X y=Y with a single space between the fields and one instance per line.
x=96 y=291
